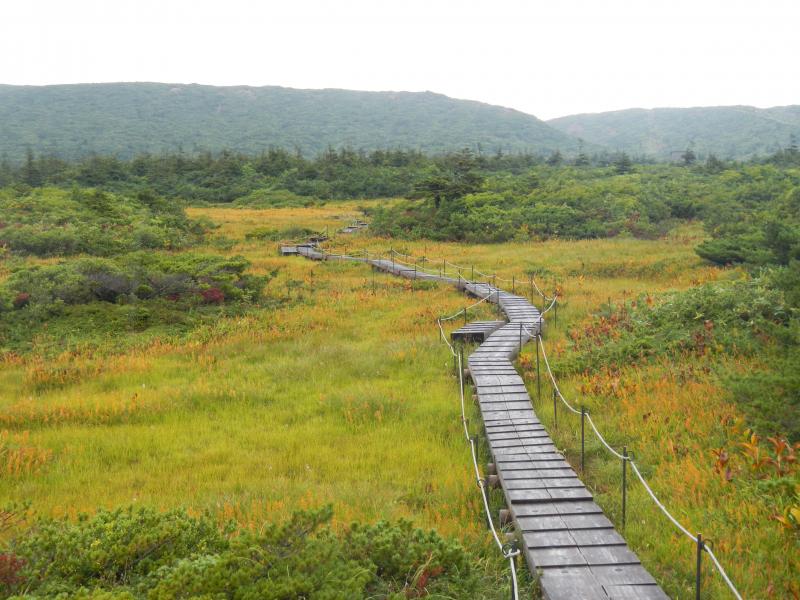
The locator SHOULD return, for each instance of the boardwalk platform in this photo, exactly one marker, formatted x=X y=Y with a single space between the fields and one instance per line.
x=566 y=538
x=476 y=331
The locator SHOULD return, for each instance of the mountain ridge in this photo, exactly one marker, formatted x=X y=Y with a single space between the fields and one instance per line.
x=736 y=131
x=74 y=120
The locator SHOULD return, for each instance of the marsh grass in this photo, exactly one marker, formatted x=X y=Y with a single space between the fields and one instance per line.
x=339 y=394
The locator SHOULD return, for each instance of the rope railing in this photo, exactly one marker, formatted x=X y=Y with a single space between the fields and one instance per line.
x=510 y=552
x=489 y=276
x=464 y=310
x=627 y=458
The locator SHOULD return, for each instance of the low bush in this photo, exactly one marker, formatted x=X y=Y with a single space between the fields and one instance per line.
x=93 y=298
x=53 y=222
x=142 y=553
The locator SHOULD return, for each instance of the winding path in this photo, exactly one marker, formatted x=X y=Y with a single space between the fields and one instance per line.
x=566 y=537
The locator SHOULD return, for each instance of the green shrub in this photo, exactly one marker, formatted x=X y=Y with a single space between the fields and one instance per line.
x=141 y=553
x=54 y=222
x=98 y=298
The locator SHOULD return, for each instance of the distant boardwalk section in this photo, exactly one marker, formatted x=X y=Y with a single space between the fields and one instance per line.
x=566 y=537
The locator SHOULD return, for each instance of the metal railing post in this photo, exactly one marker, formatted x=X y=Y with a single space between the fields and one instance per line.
x=555 y=409
x=624 y=484
x=698 y=573
x=538 y=374
x=583 y=440
x=555 y=309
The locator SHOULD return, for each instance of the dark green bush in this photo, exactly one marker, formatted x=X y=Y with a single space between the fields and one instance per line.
x=53 y=222
x=99 y=298
x=134 y=276
x=141 y=553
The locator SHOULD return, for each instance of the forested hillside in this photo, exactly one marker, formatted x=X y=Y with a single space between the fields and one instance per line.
x=126 y=119
x=727 y=131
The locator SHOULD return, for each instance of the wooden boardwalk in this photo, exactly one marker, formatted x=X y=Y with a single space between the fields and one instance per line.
x=565 y=535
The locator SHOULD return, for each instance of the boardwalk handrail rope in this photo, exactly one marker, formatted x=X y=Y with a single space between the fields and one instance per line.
x=460 y=313
x=494 y=276
x=508 y=552
x=630 y=460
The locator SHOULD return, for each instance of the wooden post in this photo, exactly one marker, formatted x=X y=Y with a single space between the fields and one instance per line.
x=472 y=276
x=444 y=267
x=465 y=315
x=520 y=338
x=513 y=284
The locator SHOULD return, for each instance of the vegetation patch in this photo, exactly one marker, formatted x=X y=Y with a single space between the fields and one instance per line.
x=130 y=293
x=140 y=553
x=743 y=318
x=57 y=222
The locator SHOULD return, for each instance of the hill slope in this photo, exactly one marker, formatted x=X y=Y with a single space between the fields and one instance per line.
x=727 y=131
x=129 y=118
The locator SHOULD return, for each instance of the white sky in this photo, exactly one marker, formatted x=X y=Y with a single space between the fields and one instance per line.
x=545 y=57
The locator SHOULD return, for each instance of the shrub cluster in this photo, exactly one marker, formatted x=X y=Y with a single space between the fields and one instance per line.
x=96 y=299
x=54 y=222
x=130 y=278
x=140 y=553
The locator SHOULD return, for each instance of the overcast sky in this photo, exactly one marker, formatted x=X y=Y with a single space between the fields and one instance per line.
x=545 y=57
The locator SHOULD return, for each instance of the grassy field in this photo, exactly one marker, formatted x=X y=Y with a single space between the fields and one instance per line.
x=344 y=396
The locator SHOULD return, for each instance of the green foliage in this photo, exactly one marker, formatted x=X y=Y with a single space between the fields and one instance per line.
x=54 y=222
x=141 y=553
x=544 y=202
x=99 y=297
x=753 y=217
